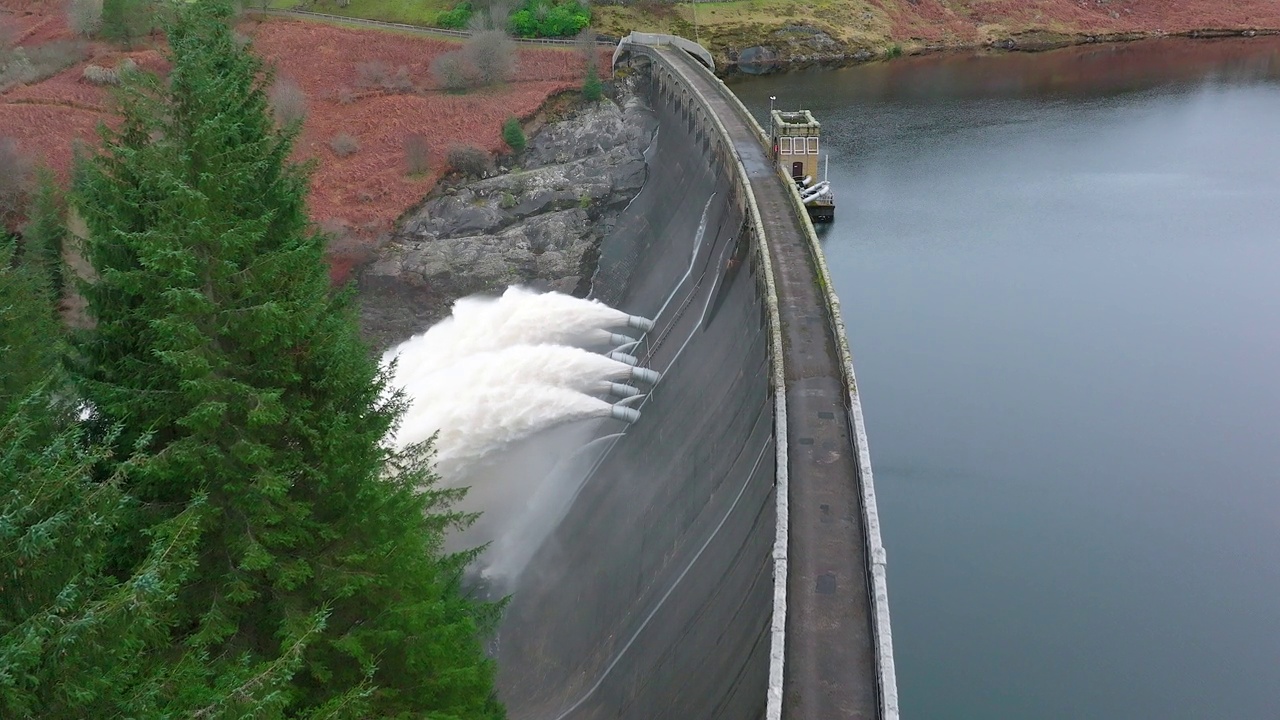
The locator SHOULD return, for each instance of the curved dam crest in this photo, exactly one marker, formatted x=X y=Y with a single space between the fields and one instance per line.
x=720 y=557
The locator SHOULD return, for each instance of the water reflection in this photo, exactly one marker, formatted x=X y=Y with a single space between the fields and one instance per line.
x=1087 y=70
x=1058 y=274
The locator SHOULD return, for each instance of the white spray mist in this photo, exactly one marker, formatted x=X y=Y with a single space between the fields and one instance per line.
x=499 y=371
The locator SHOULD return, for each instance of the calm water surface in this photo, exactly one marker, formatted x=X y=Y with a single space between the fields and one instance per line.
x=1061 y=278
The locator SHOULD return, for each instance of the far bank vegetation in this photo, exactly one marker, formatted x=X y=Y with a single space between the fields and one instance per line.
x=488 y=57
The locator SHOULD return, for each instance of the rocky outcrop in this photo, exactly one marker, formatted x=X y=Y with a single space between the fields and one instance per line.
x=539 y=224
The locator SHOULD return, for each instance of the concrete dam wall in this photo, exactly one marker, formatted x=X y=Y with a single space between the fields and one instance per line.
x=662 y=591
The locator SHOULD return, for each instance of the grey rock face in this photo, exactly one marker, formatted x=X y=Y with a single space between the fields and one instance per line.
x=539 y=225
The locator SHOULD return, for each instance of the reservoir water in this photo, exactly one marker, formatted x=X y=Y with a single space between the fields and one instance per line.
x=1061 y=278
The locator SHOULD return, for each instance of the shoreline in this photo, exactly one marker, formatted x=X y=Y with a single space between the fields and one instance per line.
x=733 y=69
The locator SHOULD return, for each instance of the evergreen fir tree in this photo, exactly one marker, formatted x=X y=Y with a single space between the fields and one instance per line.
x=126 y=21
x=74 y=641
x=592 y=89
x=219 y=345
x=29 y=332
x=513 y=135
x=46 y=230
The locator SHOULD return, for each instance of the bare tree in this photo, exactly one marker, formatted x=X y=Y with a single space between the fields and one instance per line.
x=288 y=102
x=400 y=82
x=489 y=16
x=492 y=54
x=584 y=43
x=371 y=74
x=452 y=71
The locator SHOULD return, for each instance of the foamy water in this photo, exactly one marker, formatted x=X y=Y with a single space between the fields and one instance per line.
x=498 y=370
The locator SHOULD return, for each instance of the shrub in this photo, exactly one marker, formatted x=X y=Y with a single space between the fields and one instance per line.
x=550 y=18
x=16 y=69
x=346 y=96
x=451 y=71
x=343 y=145
x=416 y=152
x=592 y=88
x=507 y=202
x=468 y=160
x=33 y=64
x=288 y=102
x=84 y=17
x=513 y=134
x=371 y=74
x=98 y=75
x=399 y=82
x=457 y=18
x=492 y=54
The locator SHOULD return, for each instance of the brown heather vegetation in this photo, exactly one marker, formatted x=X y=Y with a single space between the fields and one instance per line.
x=369 y=188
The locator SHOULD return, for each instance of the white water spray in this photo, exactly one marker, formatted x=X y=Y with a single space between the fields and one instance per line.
x=474 y=422
x=519 y=317
x=501 y=369
x=496 y=373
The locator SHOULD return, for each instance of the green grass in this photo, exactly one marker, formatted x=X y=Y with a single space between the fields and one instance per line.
x=410 y=12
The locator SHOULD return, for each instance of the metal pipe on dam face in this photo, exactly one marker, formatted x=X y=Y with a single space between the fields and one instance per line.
x=652 y=597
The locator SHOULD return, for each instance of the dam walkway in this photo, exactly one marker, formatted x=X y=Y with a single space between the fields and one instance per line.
x=836 y=654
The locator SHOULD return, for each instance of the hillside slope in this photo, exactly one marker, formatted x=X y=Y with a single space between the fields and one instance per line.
x=807 y=31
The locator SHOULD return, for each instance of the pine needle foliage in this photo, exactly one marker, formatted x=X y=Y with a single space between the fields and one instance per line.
x=29 y=333
x=46 y=231
x=592 y=88
x=75 y=641
x=320 y=580
x=513 y=134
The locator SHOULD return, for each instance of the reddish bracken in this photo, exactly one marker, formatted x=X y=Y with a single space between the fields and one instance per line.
x=366 y=190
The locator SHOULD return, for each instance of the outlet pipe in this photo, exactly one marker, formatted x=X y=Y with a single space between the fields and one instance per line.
x=623 y=390
x=620 y=339
x=624 y=358
x=627 y=401
x=625 y=414
x=639 y=323
x=645 y=375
